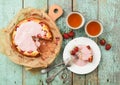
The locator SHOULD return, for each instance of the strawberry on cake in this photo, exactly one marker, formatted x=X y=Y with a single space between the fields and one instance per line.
x=83 y=54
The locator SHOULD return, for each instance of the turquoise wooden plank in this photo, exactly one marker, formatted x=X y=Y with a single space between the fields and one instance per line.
x=7 y=10
x=34 y=77
x=89 y=10
x=36 y=4
x=10 y=73
x=109 y=69
x=115 y=42
x=64 y=78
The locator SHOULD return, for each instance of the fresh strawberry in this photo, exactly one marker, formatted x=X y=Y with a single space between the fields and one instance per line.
x=107 y=46
x=41 y=23
x=71 y=34
x=102 y=42
x=76 y=49
x=22 y=51
x=65 y=36
x=16 y=27
x=73 y=52
x=90 y=59
x=38 y=36
x=29 y=20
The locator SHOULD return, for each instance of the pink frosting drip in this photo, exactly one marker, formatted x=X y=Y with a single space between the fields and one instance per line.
x=24 y=35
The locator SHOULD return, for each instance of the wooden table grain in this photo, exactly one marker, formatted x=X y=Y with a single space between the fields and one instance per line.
x=108 y=71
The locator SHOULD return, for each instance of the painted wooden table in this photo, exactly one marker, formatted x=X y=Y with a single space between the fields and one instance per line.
x=107 y=73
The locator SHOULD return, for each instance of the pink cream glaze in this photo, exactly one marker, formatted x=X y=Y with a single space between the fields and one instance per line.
x=84 y=53
x=24 y=35
x=81 y=62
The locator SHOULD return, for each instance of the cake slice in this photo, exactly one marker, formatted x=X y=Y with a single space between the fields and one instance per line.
x=83 y=54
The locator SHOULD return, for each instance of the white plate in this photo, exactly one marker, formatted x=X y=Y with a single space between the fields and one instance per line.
x=90 y=66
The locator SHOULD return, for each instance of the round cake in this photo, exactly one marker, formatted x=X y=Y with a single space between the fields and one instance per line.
x=27 y=34
x=32 y=39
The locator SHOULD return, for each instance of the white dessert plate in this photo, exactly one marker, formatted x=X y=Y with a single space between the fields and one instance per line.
x=89 y=67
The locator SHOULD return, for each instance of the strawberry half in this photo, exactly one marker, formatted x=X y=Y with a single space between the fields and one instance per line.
x=73 y=52
x=90 y=59
x=76 y=49
x=88 y=47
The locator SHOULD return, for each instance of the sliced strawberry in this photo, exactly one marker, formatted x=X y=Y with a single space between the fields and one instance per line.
x=29 y=20
x=41 y=23
x=30 y=51
x=88 y=47
x=38 y=36
x=76 y=49
x=90 y=59
x=22 y=51
x=16 y=27
x=73 y=52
